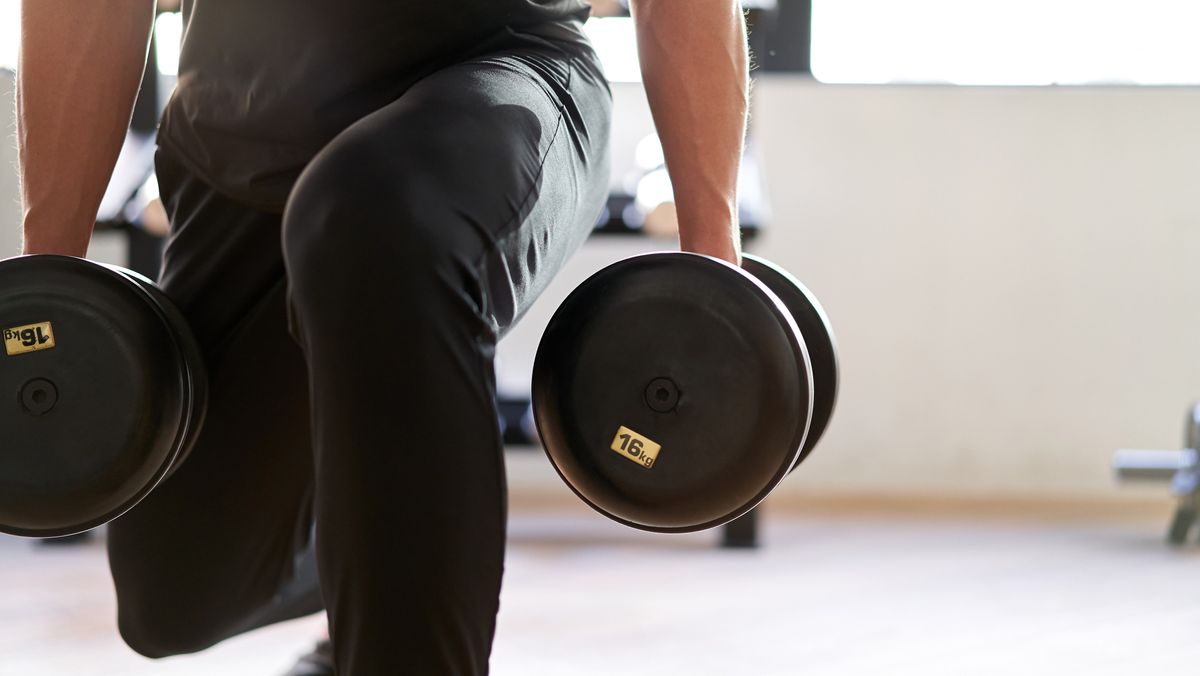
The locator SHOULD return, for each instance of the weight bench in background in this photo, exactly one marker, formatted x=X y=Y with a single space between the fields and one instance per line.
x=1179 y=467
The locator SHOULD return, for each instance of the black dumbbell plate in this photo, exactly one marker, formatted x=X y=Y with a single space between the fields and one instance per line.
x=104 y=431
x=814 y=325
x=681 y=351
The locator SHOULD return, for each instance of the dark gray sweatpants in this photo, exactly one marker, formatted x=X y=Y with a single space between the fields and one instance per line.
x=350 y=343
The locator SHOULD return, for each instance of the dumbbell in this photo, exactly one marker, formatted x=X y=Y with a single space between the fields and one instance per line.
x=102 y=391
x=674 y=391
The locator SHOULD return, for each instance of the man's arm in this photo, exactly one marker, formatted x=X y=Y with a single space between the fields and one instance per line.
x=695 y=65
x=80 y=66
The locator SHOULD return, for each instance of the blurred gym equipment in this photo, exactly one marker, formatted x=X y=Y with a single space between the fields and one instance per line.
x=1180 y=467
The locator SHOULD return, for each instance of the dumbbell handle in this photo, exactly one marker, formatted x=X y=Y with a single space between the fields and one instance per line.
x=1148 y=465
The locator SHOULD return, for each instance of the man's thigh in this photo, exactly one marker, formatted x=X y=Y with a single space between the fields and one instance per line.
x=218 y=536
x=496 y=168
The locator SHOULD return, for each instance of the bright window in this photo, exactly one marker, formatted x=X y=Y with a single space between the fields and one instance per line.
x=1007 y=42
x=168 y=32
x=616 y=44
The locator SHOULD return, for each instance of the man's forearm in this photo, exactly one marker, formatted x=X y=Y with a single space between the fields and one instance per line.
x=80 y=67
x=695 y=65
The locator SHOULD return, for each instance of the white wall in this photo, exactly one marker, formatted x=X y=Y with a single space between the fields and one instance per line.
x=1012 y=273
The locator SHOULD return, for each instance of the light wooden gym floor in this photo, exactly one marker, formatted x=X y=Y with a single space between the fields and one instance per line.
x=839 y=588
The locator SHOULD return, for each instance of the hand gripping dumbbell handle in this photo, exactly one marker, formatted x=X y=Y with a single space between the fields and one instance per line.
x=1147 y=465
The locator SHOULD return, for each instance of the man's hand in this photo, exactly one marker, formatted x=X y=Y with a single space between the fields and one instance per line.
x=695 y=65
x=79 y=71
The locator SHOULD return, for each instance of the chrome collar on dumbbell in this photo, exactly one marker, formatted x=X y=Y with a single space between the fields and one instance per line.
x=673 y=391
x=106 y=390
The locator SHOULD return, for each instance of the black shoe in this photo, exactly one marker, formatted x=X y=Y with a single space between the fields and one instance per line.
x=319 y=662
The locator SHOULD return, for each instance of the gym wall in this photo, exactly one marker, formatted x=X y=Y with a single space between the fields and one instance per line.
x=1012 y=273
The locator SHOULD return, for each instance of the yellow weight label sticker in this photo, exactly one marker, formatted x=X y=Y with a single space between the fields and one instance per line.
x=635 y=447
x=29 y=338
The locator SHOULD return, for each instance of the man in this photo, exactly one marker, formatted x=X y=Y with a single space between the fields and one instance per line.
x=364 y=196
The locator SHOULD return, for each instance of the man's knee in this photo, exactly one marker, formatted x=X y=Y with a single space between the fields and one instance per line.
x=163 y=611
x=164 y=629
